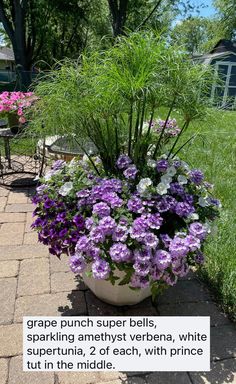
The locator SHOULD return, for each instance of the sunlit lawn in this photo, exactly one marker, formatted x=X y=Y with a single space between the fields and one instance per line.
x=214 y=151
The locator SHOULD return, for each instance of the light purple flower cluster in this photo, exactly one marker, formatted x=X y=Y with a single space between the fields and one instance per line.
x=152 y=226
x=171 y=127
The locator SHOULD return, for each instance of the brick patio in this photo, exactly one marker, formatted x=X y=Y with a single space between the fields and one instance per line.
x=32 y=283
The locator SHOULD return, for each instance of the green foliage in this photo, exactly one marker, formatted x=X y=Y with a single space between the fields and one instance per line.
x=108 y=95
x=214 y=151
x=227 y=16
x=195 y=34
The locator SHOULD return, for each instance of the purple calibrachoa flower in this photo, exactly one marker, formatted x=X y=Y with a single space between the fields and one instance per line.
x=101 y=269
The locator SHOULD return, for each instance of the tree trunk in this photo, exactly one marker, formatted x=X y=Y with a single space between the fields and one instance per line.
x=118 y=10
x=15 y=29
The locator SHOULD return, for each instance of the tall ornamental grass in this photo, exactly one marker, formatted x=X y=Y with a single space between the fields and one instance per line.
x=106 y=97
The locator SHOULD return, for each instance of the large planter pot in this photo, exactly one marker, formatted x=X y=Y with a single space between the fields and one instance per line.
x=13 y=119
x=115 y=294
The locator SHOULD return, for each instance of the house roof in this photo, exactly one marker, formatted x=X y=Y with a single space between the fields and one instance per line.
x=6 y=54
x=224 y=45
x=222 y=48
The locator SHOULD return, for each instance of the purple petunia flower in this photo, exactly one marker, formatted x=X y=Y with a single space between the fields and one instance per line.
x=101 y=269
x=83 y=244
x=89 y=223
x=93 y=252
x=192 y=242
x=77 y=263
x=199 y=257
x=169 y=278
x=162 y=165
x=41 y=188
x=130 y=172
x=150 y=240
x=180 y=269
x=78 y=220
x=177 y=189
x=123 y=162
x=196 y=176
x=142 y=268
x=156 y=273
x=101 y=209
x=83 y=193
x=97 y=235
x=184 y=209
x=107 y=225
x=166 y=239
x=112 y=199
x=198 y=230
x=154 y=221
x=120 y=233
x=49 y=204
x=119 y=252
x=135 y=205
x=162 y=259
x=138 y=281
x=143 y=255
x=178 y=247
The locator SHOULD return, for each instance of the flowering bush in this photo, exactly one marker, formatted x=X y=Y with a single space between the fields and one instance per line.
x=151 y=226
x=16 y=102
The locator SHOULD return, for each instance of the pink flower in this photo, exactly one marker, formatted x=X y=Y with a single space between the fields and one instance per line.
x=22 y=120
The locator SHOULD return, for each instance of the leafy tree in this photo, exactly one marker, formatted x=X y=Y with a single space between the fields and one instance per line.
x=46 y=30
x=134 y=14
x=197 y=34
x=227 y=15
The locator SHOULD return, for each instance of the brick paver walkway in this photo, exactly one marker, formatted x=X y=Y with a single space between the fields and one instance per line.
x=31 y=283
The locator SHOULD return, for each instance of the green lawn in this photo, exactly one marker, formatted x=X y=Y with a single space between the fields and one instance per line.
x=214 y=151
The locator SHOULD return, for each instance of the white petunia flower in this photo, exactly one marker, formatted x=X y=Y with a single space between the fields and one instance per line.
x=151 y=163
x=171 y=171
x=184 y=165
x=161 y=189
x=66 y=188
x=143 y=185
x=182 y=180
x=193 y=217
x=166 y=179
x=203 y=202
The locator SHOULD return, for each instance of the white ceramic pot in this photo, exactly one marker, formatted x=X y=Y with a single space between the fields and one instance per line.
x=115 y=294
